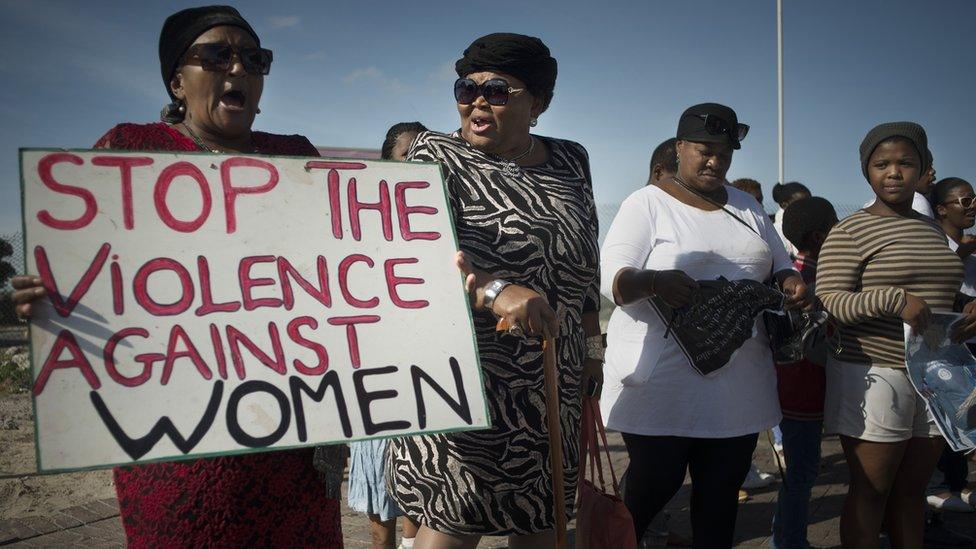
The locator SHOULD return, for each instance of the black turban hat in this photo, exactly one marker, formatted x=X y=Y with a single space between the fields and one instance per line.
x=524 y=57
x=183 y=27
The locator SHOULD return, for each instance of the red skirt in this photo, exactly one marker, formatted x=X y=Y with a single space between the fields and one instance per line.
x=254 y=500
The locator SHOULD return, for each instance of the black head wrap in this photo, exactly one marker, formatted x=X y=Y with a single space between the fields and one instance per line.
x=183 y=27
x=524 y=57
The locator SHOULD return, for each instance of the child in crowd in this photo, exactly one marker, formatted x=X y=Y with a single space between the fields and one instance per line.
x=801 y=385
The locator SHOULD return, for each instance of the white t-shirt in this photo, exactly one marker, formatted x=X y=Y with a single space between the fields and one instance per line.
x=969 y=271
x=650 y=388
x=778 y=224
x=919 y=203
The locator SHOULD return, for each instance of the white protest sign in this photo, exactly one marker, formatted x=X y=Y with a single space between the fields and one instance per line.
x=215 y=304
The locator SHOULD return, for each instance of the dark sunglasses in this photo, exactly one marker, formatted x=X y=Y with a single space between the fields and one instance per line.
x=495 y=91
x=716 y=125
x=218 y=57
x=965 y=202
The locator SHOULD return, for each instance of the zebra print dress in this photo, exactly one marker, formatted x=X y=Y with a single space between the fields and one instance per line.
x=537 y=229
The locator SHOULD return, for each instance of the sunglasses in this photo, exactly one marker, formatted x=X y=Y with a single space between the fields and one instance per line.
x=965 y=202
x=716 y=125
x=218 y=57
x=495 y=91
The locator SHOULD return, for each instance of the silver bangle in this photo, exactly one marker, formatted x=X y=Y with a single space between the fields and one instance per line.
x=493 y=290
x=594 y=348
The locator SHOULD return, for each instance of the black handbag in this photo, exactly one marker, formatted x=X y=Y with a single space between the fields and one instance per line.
x=793 y=335
x=799 y=335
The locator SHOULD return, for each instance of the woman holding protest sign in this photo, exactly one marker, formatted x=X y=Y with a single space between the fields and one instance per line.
x=883 y=266
x=664 y=243
x=213 y=66
x=527 y=227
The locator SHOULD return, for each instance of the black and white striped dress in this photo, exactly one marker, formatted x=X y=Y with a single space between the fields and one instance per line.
x=539 y=230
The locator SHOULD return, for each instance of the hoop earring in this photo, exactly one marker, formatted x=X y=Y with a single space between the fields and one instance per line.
x=533 y=122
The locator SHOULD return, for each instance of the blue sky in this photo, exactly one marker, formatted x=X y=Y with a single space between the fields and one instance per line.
x=345 y=71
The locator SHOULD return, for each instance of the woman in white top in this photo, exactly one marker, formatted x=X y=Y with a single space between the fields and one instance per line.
x=954 y=208
x=666 y=237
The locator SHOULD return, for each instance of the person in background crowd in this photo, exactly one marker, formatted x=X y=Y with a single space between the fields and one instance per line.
x=399 y=138
x=801 y=386
x=750 y=186
x=785 y=194
x=527 y=228
x=884 y=265
x=953 y=204
x=213 y=68
x=674 y=420
x=664 y=162
x=920 y=201
x=367 y=485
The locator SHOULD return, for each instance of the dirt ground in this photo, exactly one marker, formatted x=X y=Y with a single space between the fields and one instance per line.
x=25 y=493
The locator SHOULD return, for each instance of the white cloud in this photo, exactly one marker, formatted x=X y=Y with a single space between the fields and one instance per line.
x=284 y=21
x=376 y=76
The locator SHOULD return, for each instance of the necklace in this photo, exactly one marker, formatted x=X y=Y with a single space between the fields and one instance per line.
x=200 y=143
x=511 y=165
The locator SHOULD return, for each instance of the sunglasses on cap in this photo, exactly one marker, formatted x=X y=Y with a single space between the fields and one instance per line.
x=716 y=125
x=218 y=57
x=494 y=90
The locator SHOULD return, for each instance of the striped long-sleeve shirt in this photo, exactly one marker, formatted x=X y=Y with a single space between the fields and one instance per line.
x=867 y=264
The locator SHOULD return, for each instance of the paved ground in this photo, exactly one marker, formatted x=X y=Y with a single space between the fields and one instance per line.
x=96 y=524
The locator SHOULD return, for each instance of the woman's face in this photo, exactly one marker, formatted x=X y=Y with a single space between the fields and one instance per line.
x=951 y=210
x=703 y=165
x=402 y=145
x=497 y=129
x=893 y=171
x=222 y=104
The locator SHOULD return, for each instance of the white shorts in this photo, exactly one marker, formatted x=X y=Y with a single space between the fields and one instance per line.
x=874 y=403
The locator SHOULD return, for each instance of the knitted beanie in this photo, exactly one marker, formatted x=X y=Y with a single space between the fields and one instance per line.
x=909 y=130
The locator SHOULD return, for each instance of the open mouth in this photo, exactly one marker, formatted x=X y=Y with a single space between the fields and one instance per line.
x=480 y=124
x=233 y=100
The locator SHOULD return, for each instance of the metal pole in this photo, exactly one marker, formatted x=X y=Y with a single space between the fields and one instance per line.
x=779 y=85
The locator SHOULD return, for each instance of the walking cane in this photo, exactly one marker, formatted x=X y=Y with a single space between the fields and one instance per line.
x=551 y=384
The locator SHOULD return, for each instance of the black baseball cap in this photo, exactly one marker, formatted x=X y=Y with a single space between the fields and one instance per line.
x=711 y=123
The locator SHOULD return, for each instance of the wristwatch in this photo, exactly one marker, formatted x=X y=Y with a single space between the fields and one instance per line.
x=492 y=291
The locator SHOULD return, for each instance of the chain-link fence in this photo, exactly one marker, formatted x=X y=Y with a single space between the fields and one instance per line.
x=12 y=330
